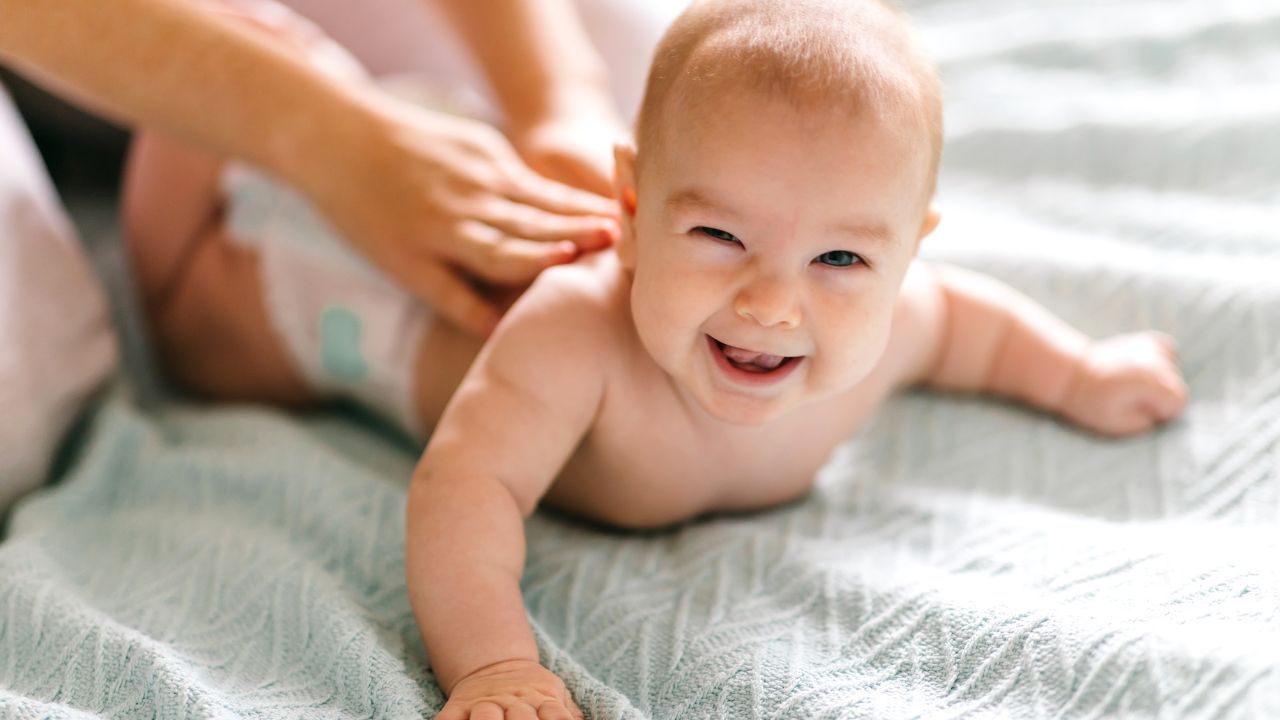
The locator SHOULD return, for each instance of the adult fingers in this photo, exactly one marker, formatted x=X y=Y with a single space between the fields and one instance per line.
x=491 y=254
x=579 y=172
x=530 y=188
x=588 y=232
x=451 y=297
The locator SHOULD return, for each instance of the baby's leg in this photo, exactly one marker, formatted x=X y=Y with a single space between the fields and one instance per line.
x=204 y=296
x=225 y=330
x=201 y=292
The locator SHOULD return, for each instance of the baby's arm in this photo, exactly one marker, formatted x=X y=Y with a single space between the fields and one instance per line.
x=988 y=337
x=524 y=406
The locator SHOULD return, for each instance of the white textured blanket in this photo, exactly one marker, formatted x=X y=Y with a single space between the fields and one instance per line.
x=1119 y=161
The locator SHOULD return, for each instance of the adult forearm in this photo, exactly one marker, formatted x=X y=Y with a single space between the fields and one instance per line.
x=173 y=66
x=536 y=54
x=464 y=554
x=1000 y=341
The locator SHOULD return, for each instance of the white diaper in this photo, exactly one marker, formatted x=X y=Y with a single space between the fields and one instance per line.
x=351 y=331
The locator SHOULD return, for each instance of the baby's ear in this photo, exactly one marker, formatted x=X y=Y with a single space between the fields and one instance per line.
x=931 y=219
x=624 y=188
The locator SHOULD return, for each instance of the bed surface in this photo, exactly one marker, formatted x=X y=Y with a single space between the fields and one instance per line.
x=959 y=557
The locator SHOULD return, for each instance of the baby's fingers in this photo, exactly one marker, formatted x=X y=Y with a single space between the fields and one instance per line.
x=1168 y=398
x=1168 y=345
x=521 y=712
x=555 y=710
x=487 y=711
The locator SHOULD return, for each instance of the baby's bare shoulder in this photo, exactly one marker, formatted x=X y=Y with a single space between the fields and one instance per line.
x=918 y=324
x=568 y=307
x=588 y=283
x=919 y=293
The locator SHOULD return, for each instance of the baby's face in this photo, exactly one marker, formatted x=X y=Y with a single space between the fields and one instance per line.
x=768 y=246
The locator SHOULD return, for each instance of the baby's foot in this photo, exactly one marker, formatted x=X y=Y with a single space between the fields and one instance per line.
x=1127 y=385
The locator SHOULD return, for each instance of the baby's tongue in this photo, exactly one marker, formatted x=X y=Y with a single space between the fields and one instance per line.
x=748 y=357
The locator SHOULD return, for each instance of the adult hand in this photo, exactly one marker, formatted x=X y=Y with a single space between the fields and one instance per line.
x=574 y=145
x=553 y=86
x=436 y=200
x=431 y=200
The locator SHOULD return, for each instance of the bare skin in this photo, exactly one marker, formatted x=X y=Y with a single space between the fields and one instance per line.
x=614 y=404
x=203 y=296
x=432 y=200
x=646 y=385
x=588 y=372
x=560 y=116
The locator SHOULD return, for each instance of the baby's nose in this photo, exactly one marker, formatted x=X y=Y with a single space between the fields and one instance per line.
x=769 y=301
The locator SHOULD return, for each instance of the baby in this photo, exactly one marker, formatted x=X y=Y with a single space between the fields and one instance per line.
x=763 y=299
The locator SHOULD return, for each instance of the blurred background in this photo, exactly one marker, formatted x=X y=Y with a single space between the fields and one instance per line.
x=83 y=153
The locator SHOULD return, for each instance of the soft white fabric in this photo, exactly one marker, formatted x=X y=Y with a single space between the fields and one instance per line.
x=56 y=339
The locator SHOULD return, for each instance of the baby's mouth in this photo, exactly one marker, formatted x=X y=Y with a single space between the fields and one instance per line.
x=750 y=360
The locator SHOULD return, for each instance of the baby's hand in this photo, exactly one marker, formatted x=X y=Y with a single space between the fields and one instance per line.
x=1126 y=385
x=513 y=689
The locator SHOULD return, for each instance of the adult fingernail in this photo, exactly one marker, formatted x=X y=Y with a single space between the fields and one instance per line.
x=564 y=252
x=607 y=234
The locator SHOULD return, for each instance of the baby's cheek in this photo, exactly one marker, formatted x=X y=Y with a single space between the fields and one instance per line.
x=662 y=318
x=852 y=350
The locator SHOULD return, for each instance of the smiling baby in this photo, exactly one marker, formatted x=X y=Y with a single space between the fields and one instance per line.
x=764 y=298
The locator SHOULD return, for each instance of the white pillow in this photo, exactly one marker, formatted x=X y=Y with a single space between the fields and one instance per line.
x=57 y=343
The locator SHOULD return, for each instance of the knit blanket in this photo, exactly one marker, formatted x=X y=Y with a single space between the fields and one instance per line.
x=958 y=557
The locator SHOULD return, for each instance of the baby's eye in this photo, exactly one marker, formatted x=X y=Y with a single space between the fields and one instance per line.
x=838 y=258
x=718 y=234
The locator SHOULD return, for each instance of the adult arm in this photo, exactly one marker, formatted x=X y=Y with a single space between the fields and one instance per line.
x=420 y=194
x=550 y=81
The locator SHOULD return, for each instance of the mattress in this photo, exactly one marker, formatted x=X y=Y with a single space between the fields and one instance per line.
x=959 y=557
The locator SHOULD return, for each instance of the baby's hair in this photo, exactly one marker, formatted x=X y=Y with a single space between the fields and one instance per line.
x=857 y=56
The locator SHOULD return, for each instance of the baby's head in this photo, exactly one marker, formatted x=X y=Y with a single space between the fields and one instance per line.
x=785 y=162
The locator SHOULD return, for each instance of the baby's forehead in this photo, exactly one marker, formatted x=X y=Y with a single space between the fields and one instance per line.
x=735 y=131
x=756 y=170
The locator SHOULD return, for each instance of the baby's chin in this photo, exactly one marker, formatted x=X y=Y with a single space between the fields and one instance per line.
x=747 y=410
